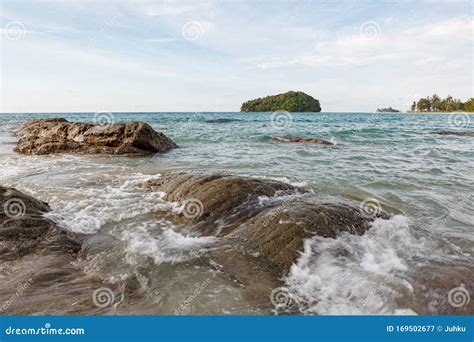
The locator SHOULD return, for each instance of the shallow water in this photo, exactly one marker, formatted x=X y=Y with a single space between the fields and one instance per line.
x=424 y=178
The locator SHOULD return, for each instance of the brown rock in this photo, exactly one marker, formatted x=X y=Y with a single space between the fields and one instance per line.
x=278 y=234
x=274 y=232
x=304 y=140
x=46 y=136
x=37 y=270
x=461 y=134
x=24 y=229
x=215 y=196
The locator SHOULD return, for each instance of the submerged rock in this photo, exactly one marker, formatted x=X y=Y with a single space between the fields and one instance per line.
x=278 y=234
x=46 y=136
x=37 y=271
x=462 y=134
x=262 y=224
x=212 y=197
x=304 y=140
x=24 y=230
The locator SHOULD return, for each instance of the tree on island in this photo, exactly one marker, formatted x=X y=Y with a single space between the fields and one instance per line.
x=436 y=104
x=469 y=105
x=292 y=101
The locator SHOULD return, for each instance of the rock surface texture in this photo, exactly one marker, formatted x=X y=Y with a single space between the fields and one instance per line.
x=47 y=136
x=37 y=261
x=304 y=140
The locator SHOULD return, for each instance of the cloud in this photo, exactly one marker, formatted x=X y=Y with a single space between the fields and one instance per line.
x=154 y=9
x=420 y=45
x=160 y=40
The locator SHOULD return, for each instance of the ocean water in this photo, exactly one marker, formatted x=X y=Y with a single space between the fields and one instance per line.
x=407 y=264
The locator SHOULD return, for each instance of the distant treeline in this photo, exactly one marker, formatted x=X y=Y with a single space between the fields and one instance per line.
x=437 y=104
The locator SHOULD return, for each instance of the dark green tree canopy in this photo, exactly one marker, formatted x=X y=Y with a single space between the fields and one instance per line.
x=436 y=104
x=292 y=101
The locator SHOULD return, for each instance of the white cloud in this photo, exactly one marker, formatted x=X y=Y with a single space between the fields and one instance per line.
x=160 y=40
x=418 y=45
x=154 y=9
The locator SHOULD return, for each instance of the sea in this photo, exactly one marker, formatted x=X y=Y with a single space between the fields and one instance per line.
x=415 y=262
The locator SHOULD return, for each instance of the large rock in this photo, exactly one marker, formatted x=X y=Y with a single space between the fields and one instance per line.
x=278 y=233
x=38 y=272
x=24 y=230
x=218 y=197
x=261 y=222
x=46 y=136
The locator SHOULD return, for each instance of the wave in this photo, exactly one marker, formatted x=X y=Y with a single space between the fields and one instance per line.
x=356 y=274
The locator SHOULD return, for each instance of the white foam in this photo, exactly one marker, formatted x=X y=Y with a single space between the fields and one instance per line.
x=86 y=210
x=356 y=274
x=165 y=244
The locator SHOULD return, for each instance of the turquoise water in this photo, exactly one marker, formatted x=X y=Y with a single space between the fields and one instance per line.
x=394 y=159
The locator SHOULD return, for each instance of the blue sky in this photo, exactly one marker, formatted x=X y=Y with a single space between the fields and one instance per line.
x=213 y=55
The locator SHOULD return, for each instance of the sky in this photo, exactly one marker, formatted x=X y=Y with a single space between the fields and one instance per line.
x=89 y=56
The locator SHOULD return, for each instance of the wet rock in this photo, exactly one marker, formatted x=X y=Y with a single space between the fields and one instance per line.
x=211 y=197
x=265 y=236
x=460 y=133
x=46 y=136
x=278 y=234
x=221 y=120
x=24 y=230
x=304 y=140
x=37 y=261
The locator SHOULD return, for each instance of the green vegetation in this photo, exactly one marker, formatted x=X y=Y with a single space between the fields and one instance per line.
x=469 y=105
x=292 y=101
x=387 y=110
x=436 y=104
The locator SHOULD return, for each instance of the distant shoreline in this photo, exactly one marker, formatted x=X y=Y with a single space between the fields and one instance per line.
x=439 y=113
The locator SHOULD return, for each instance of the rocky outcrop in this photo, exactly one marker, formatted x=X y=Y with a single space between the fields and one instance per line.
x=261 y=222
x=460 y=133
x=304 y=140
x=37 y=271
x=46 y=136
x=24 y=230
x=208 y=198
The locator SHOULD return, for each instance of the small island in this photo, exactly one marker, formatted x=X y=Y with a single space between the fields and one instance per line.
x=435 y=104
x=387 y=110
x=292 y=101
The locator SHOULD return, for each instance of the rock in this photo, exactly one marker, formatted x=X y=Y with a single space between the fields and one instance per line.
x=278 y=234
x=37 y=271
x=221 y=120
x=461 y=134
x=304 y=140
x=274 y=230
x=207 y=198
x=46 y=136
x=24 y=230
